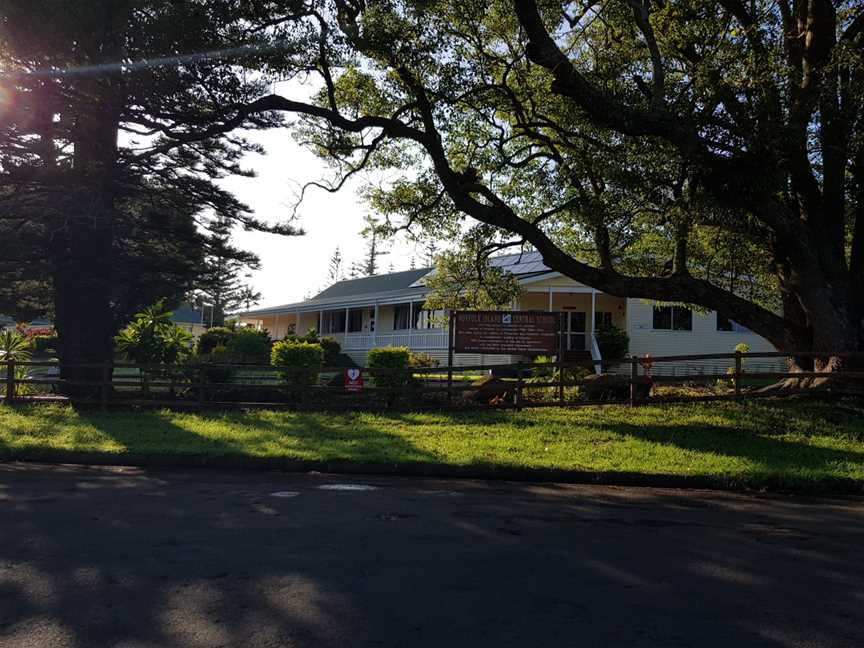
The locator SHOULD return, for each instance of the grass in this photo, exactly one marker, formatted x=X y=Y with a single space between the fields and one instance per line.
x=801 y=446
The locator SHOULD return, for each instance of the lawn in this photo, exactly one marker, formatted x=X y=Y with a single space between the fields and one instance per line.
x=802 y=446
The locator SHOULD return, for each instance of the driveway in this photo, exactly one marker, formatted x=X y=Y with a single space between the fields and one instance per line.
x=134 y=558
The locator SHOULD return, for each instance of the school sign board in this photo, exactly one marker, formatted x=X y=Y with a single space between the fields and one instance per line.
x=510 y=333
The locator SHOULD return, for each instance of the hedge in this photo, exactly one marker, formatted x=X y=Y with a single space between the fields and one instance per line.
x=396 y=358
x=302 y=361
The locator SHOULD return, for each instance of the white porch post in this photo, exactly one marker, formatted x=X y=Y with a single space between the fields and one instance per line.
x=593 y=308
x=320 y=322
x=377 y=326
x=410 y=322
x=627 y=317
x=297 y=323
x=550 y=299
x=275 y=330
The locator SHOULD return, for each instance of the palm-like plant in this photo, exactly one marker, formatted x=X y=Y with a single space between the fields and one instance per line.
x=178 y=344
x=14 y=346
x=152 y=338
x=17 y=348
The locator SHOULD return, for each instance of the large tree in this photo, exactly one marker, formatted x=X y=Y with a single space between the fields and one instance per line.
x=157 y=252
x=694 y=151
x=108 y=102
x=220 y=281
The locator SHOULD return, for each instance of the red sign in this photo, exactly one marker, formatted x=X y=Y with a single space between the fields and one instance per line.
x=353 y=380
x=513 y=333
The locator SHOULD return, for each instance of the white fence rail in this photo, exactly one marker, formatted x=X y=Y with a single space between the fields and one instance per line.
x=417 y=340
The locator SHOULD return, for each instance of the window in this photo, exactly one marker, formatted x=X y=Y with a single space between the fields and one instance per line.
x=682 y=319
x=401 y=317
x=725 y=324
x=602 y=319
x=662 y=318
x=332 y=322
x=355 y=320
x=673 y=318
x=418 y=309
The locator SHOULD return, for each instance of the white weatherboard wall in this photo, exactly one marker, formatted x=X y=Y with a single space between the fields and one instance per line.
x=703 y=339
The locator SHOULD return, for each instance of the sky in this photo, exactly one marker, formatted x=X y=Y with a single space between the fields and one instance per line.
x=295 y=268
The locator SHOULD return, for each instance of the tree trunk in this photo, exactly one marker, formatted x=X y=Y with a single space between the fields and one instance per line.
x=81 y=275
x=81 y=247
x=843 y=336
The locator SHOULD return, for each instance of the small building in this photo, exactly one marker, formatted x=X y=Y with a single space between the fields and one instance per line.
x=388 y=310
x=189 y=318
x=39 y=325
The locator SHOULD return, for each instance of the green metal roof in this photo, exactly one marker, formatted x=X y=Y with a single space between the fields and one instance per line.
x=373 y=284
x=186 y=314
x=405 y=285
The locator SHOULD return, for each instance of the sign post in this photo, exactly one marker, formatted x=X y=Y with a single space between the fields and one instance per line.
x=517 y=333
x=450 y=334
x=561 y=322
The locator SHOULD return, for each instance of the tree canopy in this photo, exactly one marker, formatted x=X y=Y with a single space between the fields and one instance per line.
x=106 y=152
x=707 y=152
x=692 y=151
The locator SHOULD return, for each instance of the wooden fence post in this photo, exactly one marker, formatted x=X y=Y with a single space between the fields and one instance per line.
x=517 y=396
x=634 y=376
x=105 y=387
x=10 y=381
x=560 y=379
x=736 y=377
x=561 y=345
x=202 y=395
x=450 y=340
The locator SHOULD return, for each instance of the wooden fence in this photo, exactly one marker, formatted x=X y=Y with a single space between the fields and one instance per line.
x=636 y=380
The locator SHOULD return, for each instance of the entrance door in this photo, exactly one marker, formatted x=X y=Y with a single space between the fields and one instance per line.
x=576 y=330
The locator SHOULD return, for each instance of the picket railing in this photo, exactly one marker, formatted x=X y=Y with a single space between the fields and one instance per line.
x=520 y=385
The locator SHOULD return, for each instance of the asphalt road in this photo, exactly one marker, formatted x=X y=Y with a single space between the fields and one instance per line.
x=133 y=558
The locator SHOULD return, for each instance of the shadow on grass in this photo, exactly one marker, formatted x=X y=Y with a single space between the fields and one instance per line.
x=770 y=437
x=46 y=432
x=379 y=442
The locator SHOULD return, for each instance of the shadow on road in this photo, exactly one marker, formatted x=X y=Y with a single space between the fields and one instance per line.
x=100 y=558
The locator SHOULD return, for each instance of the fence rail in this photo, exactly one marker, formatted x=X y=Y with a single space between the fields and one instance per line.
x=634 y=380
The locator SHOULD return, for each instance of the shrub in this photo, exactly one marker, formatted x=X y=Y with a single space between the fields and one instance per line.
x=213 y=367
x=153 y=338
x=14 y=346
x=331 y=349
x=42 y=343
x=302 y=361
x=248 y=346
x=395 y=359
x=545 y=373
x=213 y=337
x=613 y=342
x=422 y=360
x=550 y=372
